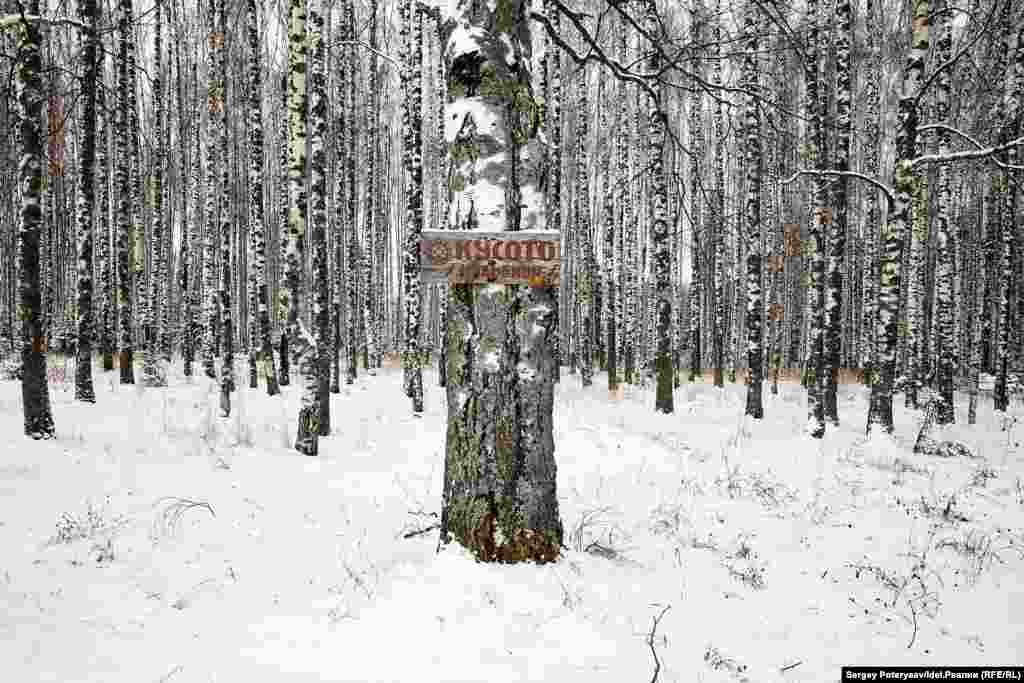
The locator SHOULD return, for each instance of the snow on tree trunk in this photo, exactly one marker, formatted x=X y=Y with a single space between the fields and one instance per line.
x=816 y=284
x=696 y=126
x=227 y=328
x=152 y=373
x=28 y=84
x=584 y=290
x=608 y=218
x=125 y=102
x=553 y=132
x=832 y=347
x=302 y=344
x=718 y=210
x=752 y=157
x=318 y=195
x=412 y=158
x=904 y=181
x=371 y=141
x=104 y=226
x=352 y=261
x=661 y=261
x=86 y=198
x=1007 y=191
x=192 y=279
x=499 y=496
x=872 y=151
x=944 y=273
x=284 y=356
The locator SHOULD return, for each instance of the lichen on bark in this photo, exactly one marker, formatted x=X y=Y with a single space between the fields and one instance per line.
x=500 y=499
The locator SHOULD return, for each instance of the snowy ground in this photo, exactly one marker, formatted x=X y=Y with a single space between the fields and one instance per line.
x=154 y=542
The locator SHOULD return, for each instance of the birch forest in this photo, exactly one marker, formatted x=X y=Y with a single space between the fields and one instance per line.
x=789 y=309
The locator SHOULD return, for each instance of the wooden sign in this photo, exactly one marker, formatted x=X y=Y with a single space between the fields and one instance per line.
x=527 y=257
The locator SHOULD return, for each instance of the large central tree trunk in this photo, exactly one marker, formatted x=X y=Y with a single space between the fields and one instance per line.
x=499 y=482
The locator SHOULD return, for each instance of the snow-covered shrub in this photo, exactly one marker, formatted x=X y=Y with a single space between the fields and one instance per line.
x=717 y=661
x=980 y=550
x=914 y=588
x=743 y=563
x=87 y=524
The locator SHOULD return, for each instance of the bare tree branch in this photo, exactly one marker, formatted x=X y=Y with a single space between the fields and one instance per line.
x=965 y=156
x=826 y=173
x=977 y=145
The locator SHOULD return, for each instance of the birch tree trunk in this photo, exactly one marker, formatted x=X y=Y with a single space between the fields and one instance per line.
x=292 y=295
x=318 y=186
x=153 y=376
x=696 y=126
x=125 y=102
x=904 y=180
x=584 y=291
x=838 y=228
x=86 y=197
x=28 y=84
x=256 y=222
x=752 y=157
x=499 y=498
x=412 y=157
x=351 y=281
x=872 y=151
x=227 y=329
x=104 y=227
x=816 y=284
x=661 y=262
x=944 y=274
x=718 y=211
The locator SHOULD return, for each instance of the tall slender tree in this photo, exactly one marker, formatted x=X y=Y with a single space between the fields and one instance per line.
x=412 y=155
x=125 y=102
x=35 y=394
x=752 y=159
x=656 y=133
x=838 y=227
x=291 y=294
x=904 y=179
x=318 y=202
x=153 y=376
x=86 y=203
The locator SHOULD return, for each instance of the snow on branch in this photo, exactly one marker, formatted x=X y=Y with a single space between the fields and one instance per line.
x=889 y=194
x=977 y=145
x=916 y=163
x=965 y=156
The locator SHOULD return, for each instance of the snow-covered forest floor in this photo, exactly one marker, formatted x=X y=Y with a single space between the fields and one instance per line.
x=152 y=541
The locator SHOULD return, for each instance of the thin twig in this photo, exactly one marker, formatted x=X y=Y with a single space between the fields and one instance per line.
x=420 y=532
x=650 y=643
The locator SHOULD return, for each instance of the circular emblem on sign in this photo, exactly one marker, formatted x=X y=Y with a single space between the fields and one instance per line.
x=439 y=252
